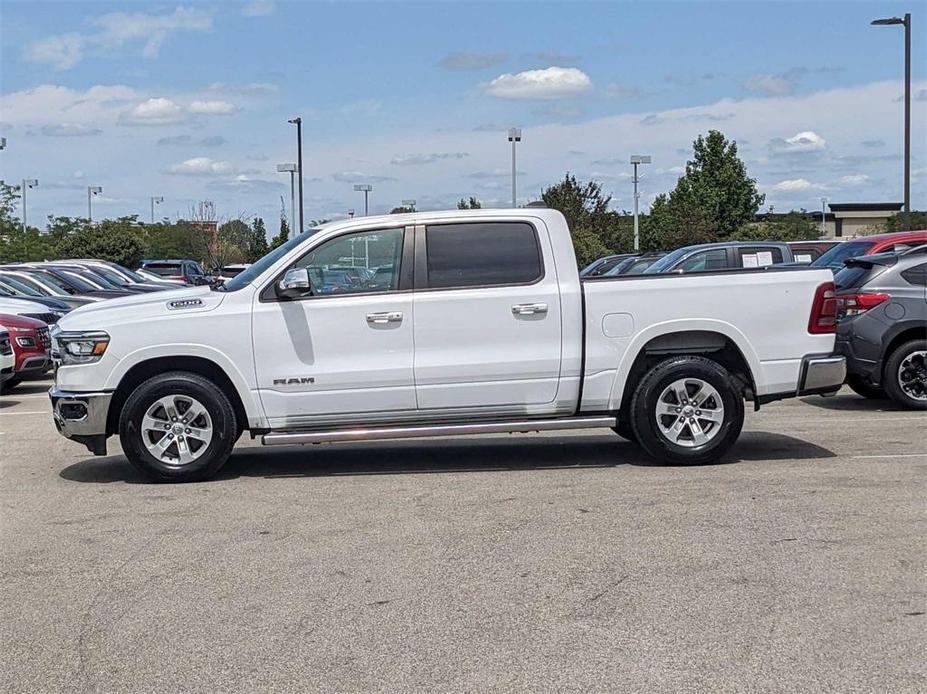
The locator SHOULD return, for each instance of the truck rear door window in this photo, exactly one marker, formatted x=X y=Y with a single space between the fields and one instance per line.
x=482 y=254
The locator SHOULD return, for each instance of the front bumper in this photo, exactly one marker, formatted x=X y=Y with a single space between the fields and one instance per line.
x=82 y=417
x=822 y=375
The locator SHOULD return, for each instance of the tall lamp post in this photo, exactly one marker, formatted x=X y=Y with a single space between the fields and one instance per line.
x=906 y=22
x=91 y=191
x=291 y=169
x=27 y=183
x=299 y=165
x=637 y=159
x=410 y=204
x=2 y=143
x=514 y=136
x=365 y=188
x=155 y=200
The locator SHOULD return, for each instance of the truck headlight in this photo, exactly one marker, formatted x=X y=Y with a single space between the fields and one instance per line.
x=80 y=347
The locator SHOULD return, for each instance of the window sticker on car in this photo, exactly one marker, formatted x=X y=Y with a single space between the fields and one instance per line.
x=749 y=260
x=764 y=258
x=802 y=257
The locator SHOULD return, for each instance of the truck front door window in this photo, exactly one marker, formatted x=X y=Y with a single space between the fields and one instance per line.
x=705 y=261
x=360 y=263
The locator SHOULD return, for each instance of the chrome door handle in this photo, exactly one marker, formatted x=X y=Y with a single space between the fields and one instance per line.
x=529 y=309
x=384 y=318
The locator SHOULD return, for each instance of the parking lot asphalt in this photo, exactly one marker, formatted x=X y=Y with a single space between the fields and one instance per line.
x=561 y=562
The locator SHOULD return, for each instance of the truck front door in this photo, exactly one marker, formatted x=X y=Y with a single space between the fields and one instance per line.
x=346 y=350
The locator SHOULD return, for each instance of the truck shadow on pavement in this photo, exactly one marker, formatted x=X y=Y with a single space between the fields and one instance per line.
x=459 y=455
x=853 y=403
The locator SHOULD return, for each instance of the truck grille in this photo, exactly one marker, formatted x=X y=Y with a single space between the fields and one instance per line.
x=44 y=338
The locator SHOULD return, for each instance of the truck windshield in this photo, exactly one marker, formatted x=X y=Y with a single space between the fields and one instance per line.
x=243 y=279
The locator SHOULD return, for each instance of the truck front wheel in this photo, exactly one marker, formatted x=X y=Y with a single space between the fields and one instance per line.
x=687 y=411
x=178 y=427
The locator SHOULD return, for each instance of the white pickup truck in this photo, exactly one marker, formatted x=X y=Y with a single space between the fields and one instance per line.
x=438 y=324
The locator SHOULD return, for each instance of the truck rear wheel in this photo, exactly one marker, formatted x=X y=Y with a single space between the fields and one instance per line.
x=687 y=411
x=178 y=427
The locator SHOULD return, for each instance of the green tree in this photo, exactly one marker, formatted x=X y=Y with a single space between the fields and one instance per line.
x=282 y=237
x=118 y=240
x=711 y=202
x=403 y=209
x=16 y=243
x=914 y=220
x=257 y=244
x=471 y=204
x=593 y=226
x=178 y=240
x=792 y=226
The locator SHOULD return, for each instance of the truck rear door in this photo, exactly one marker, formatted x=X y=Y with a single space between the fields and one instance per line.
x=487 y=323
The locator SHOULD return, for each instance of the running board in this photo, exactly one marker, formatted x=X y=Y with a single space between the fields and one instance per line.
x=524 y=426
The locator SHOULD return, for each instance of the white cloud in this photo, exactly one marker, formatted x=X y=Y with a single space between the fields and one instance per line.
x=773 y=85
x=212 y=108
x=801 y=143
x=154 y=111
x=49 y=104
x=793 y=185
x=202 y=166
x=259 y=8
x=854 y=179
x=62 y=52
x=117 y=29
x=412 y=159
x=549 y=83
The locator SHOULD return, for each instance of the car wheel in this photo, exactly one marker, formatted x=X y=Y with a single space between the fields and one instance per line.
x=906 y=375
x=862 y=387
x=687 y=411
x=178 y=427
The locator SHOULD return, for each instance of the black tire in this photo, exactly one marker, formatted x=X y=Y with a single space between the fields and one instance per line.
x=864 y=388
x=182 y=383
x=892 y=378
x=9 y=384
x=647 y=395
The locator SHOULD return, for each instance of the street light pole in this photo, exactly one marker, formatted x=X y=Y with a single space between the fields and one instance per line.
x=91 y=191
x=365 y=188
x=906 y=22
x=27 y=183
x=299 y=165
x=514 y=136
x=823 y=213
x=155 y=200
x=635 y=160
x=291 y=169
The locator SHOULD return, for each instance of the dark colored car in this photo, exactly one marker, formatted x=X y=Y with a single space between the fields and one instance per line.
x=31 y=344
x=188 y=271
x=70 y=282
x=55 y=305
x=882 y=326
x=809 y=251
x=895 y=242
x=635 y=265
x=21 y=287
x=726 y=255
x=122 y=276
x=603 y=265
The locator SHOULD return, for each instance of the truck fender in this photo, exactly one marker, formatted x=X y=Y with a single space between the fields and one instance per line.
x=253 y=410
x=668 y=328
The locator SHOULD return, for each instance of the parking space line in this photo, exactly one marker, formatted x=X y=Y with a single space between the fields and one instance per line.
x=892 y=455
x=13 y=414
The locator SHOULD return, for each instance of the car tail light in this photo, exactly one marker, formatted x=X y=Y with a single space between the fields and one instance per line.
x=854 y=304
x=823 y=310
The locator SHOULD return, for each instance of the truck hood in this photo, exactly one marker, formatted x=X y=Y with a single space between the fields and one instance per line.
x=138 y=308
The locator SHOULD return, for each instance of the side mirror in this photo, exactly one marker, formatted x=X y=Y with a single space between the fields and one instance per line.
x=295 y=283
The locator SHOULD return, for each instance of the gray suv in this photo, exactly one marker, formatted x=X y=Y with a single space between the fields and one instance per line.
x=882 y=326
x=725 y=255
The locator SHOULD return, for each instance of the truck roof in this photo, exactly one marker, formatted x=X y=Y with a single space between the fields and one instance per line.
x=438 y=216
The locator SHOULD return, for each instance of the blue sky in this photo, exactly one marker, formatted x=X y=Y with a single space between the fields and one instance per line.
x=190 y=101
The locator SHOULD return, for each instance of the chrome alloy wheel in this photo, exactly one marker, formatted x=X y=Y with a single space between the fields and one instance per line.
x=912 y=375
x=689 y=412
x=176 y=429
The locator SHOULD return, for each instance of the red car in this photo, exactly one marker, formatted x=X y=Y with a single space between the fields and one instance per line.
x=31 y=345
x=809 y=251
x=868 y=245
